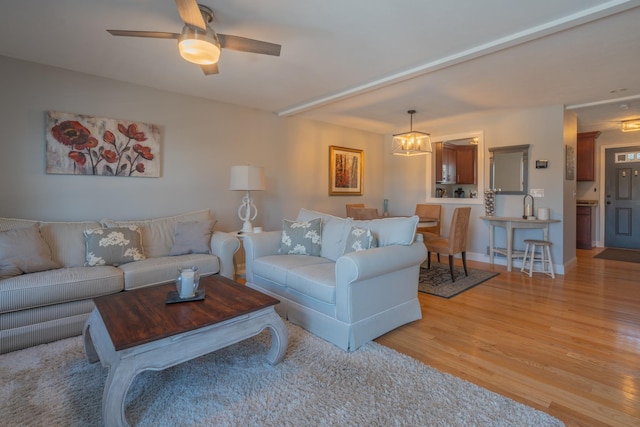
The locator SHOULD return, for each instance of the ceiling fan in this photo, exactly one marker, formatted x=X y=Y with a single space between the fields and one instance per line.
x=198 y=43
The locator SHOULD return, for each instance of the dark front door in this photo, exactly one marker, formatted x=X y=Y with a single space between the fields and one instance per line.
x=622 y=198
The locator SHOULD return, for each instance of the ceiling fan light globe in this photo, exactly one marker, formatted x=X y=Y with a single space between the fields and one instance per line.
x=199 y=47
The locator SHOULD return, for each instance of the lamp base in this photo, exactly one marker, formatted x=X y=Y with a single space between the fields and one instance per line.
x=247 y=212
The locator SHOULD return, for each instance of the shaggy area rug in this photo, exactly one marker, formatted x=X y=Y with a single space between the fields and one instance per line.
x=626 y=255
x=316 y=384
x=437 y=279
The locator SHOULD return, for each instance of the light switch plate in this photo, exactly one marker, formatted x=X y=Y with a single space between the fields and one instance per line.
x=537 y=192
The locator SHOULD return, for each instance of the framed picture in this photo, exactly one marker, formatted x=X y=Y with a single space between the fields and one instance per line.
x=346 y=171
x=79 y=144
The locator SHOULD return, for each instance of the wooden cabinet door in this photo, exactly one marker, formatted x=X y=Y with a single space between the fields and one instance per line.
x=439 y=161
x=583 y=227
x=466 y=168
x=445 y=164
x=585 y=156
x=448 y=165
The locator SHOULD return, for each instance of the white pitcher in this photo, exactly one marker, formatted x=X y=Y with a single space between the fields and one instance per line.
x=187 y=281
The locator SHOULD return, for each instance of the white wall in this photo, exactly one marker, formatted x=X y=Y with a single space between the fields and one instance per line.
x=542 y=128
x=201 y=139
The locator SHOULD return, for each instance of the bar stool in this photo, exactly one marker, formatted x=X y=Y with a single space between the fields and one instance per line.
x=543 y=259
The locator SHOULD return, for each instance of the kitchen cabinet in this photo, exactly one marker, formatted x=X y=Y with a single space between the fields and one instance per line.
x=583 y=227
x=445 y=163
x=466 y=164
x=585 y=156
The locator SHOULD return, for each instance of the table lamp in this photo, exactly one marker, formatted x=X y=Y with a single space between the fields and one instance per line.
x=247 y=178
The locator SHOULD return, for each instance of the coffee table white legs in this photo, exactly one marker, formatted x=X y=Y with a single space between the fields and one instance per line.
x=157 y=355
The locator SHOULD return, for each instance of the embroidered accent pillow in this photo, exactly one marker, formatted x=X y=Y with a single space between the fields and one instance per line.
x=301 y=237
x=192 y=237
x=113 y=246
x=359 y=239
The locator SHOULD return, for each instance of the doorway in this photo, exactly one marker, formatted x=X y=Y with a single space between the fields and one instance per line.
x=622 y=197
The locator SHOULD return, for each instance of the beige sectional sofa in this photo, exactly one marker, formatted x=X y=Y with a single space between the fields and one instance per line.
x=50 y=271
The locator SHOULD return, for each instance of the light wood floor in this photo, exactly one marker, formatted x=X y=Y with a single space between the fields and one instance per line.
x=569 y=346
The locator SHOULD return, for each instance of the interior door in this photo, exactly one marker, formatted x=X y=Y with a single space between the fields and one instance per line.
x=622 y=197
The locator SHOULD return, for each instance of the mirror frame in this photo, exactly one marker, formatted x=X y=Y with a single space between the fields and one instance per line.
x=524 y=150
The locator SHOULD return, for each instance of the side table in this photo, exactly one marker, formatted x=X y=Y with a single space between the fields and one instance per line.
x=240 y=266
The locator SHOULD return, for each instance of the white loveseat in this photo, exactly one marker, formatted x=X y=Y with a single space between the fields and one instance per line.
x=53 y=298
x=345 y=298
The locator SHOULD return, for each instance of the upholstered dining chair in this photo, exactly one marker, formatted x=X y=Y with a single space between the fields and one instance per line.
x=453 y=244
x=427 y=211
x=351 y=206
x=364 y=213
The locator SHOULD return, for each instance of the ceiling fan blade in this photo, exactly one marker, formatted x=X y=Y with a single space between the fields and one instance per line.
x=210 y=69
x=248 y=45
x=190 y=14
x=149 y=34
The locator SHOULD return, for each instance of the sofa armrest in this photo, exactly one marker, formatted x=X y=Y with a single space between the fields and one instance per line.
x=356 y=266
x=258 y=245
x=373 y=281
x=224 y=246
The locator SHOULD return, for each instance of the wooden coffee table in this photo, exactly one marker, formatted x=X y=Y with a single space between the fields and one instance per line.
x=133 y=331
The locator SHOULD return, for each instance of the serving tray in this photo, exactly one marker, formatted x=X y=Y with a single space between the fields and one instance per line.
x=174 y=297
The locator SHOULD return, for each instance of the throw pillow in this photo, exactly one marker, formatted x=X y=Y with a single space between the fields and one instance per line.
x=192 y=238
x=301 y=237
x=113 y=246
x=359 y=239
x=392 y=231
x=24 y=251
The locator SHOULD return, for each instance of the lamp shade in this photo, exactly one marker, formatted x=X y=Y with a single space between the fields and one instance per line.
x=412 y=143
x=247 y=178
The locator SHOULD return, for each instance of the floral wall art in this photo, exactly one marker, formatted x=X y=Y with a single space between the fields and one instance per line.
x=85 y=145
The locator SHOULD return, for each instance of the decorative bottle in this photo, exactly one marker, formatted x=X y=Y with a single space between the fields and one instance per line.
x=489 y=202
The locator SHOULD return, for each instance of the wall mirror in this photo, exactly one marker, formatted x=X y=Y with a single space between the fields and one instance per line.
x=509 y=166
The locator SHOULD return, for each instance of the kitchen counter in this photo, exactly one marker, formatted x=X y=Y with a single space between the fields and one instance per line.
x=586 y=203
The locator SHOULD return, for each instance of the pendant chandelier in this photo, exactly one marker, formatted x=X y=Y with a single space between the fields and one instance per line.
x=412 y=143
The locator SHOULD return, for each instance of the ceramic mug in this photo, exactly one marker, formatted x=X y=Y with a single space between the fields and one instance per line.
x=187 y=281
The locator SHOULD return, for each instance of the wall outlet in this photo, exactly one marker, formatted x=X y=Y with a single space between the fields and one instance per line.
x=537 y=192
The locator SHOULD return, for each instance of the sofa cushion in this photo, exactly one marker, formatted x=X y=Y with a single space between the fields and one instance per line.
x=317 y=281
x=301 y=237
x=391 y=231
x=57 y=286
x=359 y=239
x=276 y=267
x=158 y=233
x=113 y=246
x=334 y=232
x=193 y=237
x=154 y=271
x=66 y=240
x=15 y=223
x=24 y=251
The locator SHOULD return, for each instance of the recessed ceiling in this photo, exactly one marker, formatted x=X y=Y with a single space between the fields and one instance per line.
x=360 y=63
